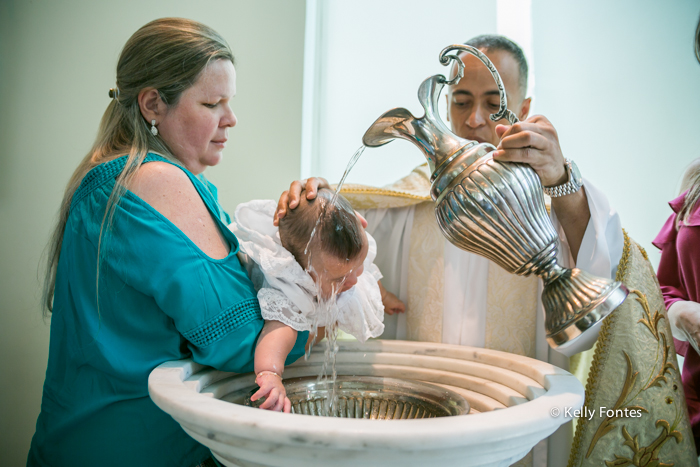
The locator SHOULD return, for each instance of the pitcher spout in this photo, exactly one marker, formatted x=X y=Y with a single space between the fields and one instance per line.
x=437 y=143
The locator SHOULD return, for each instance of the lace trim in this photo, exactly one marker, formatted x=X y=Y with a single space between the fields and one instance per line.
x=224 y=323
x=276 y=306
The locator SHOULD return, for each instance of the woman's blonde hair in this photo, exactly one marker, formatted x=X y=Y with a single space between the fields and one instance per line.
x=691 y=183
x=167 y=54
x=691 y=178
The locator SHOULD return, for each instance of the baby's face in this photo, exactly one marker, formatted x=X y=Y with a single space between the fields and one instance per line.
x=333 y=274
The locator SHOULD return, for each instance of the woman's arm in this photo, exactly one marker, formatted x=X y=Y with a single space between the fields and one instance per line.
x=684 y=318
x=274 y=344
x=683 y=314
x=168 y=190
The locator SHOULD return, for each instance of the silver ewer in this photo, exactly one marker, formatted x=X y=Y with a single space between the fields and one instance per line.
x=497 y=209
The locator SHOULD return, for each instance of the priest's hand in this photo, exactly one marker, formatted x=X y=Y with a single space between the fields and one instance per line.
x=684 y=318
x=290 y=198
x=391 y=302
x=535 y=142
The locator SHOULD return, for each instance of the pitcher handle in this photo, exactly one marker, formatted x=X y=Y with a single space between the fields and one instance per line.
x=445 y=59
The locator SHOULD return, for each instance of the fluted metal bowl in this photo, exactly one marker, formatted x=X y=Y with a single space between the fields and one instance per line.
x=371 y=397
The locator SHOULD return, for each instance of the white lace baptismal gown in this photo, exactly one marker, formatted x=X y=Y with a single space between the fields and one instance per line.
x=287 y=293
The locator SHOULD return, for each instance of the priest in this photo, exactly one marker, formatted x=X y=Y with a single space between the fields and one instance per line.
x=456 y=297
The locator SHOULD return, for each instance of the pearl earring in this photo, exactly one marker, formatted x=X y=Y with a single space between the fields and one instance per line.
x=154 y=130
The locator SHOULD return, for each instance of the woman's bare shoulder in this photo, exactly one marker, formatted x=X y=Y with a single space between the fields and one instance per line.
x=168 y=190
x=164 y=186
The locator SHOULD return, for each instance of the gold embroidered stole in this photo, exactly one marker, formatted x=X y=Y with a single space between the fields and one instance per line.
x=635 y=406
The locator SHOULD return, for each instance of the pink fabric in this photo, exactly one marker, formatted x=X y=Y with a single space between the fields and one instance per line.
x=679 y=276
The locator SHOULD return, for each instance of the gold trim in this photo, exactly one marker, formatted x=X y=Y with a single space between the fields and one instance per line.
x=644 y=252
x=647 y=455
x=624 y=261
x=651 y=322
x=383 y=192
x=608 y=423
x=600 y=355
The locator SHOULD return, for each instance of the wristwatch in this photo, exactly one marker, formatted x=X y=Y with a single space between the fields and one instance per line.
x=572 y=186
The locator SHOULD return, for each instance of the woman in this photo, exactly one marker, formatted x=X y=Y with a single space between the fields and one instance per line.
x=140 y=225
x=679 y=277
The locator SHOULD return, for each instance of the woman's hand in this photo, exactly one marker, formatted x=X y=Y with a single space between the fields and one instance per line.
x=391 y=302
x=684 y=318
x=272 y=388
x=290 y=198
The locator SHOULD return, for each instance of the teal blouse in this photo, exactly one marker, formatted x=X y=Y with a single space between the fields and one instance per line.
x=161 y=298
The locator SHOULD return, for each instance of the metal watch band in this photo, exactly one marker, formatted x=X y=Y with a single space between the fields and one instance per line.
x=561 y=190
x=571 y=186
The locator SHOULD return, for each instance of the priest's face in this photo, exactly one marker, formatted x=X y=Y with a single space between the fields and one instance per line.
x=475 y=97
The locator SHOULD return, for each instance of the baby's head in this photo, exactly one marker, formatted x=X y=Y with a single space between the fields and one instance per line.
x=339 y=246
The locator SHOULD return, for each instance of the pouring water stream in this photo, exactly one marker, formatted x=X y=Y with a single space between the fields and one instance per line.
x=328 y=307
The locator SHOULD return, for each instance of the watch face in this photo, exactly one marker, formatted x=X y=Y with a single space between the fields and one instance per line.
x=575 y=174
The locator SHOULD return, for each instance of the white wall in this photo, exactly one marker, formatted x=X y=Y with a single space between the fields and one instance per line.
x=373 y=56
x=57 y=62
x=618 y=80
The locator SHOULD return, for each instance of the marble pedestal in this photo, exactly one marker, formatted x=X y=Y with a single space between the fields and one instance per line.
x=512 y=400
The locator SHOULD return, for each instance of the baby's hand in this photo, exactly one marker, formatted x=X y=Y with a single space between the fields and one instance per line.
x=391 y=302
x=271 y=387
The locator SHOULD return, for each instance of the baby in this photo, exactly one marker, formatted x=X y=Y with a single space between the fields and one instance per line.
x=341 y=286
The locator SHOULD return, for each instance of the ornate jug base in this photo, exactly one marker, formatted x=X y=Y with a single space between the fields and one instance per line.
x=575 y=305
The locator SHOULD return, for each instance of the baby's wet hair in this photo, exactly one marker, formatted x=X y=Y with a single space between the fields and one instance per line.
x=339 y=230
